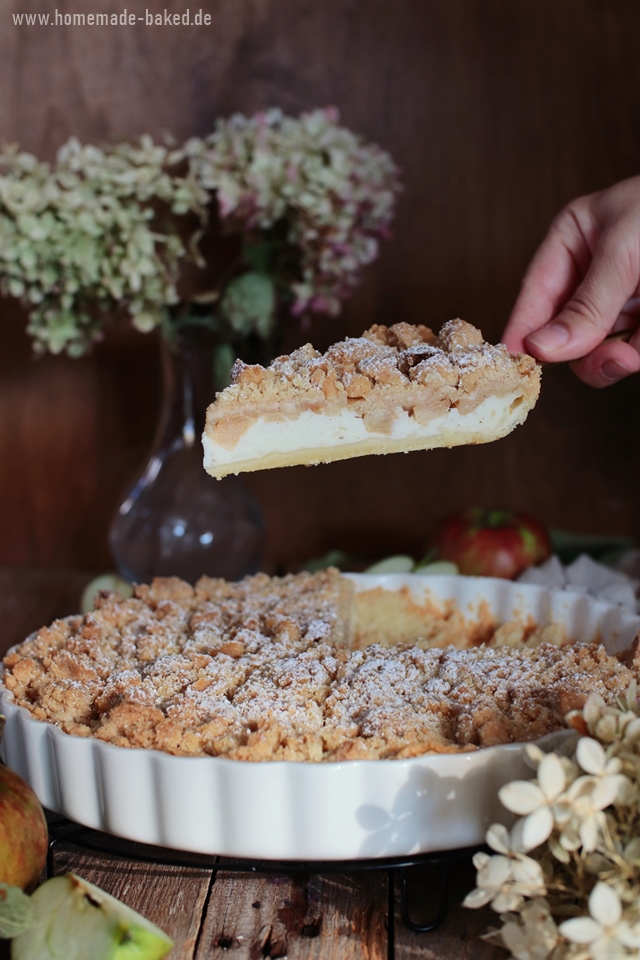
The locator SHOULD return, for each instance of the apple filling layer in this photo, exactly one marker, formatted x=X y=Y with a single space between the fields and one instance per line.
x=314 y=437
x=302 y=668
x=394 y=389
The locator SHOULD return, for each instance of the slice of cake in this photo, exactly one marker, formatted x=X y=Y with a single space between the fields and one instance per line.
x=392 y=390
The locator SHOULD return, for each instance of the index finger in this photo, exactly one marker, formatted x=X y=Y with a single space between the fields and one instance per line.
x=553 y=275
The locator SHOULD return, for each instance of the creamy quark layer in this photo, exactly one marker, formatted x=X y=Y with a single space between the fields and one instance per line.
x=318 y=438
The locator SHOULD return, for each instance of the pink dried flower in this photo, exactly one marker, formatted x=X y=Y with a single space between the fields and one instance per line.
x=335 y=193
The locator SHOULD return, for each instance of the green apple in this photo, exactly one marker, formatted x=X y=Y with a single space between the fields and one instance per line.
x=438 y=568
x=106 y=581
x=74 y=920
x=23 y=832
x=399 y=563
x=16 y=911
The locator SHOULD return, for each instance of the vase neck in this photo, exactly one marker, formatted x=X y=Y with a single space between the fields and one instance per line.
x=187 y=385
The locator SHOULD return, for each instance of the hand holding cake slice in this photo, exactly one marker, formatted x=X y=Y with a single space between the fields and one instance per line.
x=392 y=390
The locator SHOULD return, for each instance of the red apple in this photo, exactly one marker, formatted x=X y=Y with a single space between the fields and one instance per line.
x=23 y=832
x=491 y=543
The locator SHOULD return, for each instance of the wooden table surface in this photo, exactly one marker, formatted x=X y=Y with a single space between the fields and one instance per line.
x=213 y=911
x=220 y=912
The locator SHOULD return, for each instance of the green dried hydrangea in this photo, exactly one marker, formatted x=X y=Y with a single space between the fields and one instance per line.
x=93 y=233
x=105 y=231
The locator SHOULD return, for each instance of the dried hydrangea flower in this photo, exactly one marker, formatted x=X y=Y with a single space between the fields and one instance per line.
x=532 y=934
x=537 y=800
x=580 y=823
x=605 y=931
x=84 y=237
x=590 y=795
x=102 y=230
x=503 y=881
x=334 y=194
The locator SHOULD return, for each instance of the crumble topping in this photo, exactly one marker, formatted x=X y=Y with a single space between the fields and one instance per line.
x=302 y=668
x=401 y=366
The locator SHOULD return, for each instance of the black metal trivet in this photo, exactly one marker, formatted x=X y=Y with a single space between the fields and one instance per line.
x=62 y=830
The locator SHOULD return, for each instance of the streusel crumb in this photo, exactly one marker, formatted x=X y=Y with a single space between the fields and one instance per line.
x=458 y=364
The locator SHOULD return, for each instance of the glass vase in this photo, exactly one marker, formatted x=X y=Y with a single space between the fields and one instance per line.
x=176 y=520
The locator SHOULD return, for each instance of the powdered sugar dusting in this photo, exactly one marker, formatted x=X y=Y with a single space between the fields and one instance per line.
x=260 y=670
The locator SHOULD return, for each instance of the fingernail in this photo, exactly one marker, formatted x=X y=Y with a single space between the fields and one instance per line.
x=611 y=370
x=551 y=337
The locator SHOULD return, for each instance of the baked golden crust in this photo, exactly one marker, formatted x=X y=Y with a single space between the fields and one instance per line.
x=262 y=670
x=395 y=380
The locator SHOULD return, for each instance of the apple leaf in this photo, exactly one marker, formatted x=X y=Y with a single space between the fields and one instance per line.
x=16 y=911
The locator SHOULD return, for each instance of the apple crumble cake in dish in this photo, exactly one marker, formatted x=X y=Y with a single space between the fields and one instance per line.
x=302 y=668
x=394 y=389
x=392 y=699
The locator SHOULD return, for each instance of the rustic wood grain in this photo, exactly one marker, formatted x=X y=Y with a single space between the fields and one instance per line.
x=498 y=114
x=318 y=917
x=313 y=917
x=459 y=935
x=171 y=897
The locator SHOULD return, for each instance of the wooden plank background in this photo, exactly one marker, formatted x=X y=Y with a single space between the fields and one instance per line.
x=498 y=111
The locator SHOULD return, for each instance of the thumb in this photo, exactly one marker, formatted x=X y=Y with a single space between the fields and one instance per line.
x=590 y=314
